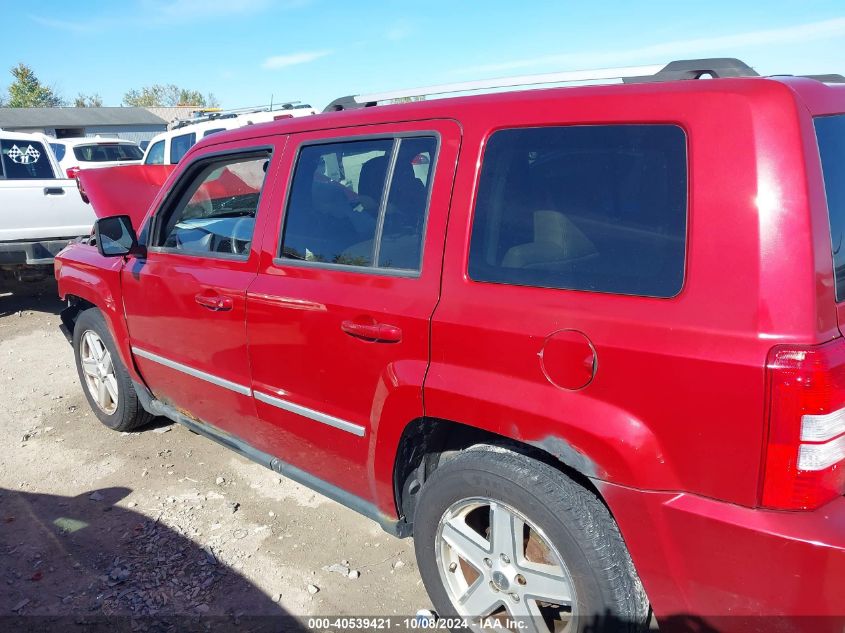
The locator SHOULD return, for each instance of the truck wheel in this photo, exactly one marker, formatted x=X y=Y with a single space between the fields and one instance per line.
x=104 y=379
x=502 y=536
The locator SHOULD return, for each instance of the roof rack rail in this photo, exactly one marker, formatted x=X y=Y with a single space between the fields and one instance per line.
x=832 y=78
x=680 y=69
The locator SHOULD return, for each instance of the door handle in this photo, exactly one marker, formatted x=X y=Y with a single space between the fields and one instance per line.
x=372 y=331
x=217 y=303
x=54 y=191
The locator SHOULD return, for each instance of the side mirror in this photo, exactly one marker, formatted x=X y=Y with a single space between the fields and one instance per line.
x=116 y=237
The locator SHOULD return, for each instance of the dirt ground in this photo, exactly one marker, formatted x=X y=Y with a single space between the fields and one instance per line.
x=161 y=522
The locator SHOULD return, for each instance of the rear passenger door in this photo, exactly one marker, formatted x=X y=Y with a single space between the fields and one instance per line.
x=338 y=317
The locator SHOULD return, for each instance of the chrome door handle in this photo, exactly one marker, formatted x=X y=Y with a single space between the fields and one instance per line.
x=217 y=303
x=378 y=332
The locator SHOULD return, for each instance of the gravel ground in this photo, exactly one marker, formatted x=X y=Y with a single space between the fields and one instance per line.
x=161 y=522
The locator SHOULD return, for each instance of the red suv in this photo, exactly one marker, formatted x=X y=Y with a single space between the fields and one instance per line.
x=583 y=343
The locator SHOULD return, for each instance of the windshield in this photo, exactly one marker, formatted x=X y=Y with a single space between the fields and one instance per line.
x=107 y=152
x=830 y=131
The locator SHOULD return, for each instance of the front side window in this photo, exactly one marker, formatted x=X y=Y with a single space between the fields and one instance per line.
x=601 y=208
x=179 y=146
x=215 y=213
x=830 y=132
x=107 y=152
x=24 y=159
x=155 y=156
x=359 y=203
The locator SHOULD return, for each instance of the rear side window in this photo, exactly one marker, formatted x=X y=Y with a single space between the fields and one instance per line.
x=830 y=131
x=156 y=154
x=213 y=131
x=359 y=203
x=179 y=146
x=103 y=152
x=24 y=160
x=601 y=208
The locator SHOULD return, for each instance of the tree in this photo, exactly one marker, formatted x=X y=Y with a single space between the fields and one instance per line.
x=88 y=101
x=169 y=95
x=27 y=91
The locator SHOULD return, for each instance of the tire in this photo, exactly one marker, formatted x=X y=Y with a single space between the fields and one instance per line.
x=123 y=411
x=568 y=524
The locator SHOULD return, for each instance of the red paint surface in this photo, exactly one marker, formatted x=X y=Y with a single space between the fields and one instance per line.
x=677 y=403
x=124 y=190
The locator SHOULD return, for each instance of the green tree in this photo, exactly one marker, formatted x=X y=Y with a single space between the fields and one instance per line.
x=88 y=101
x=26 y=91
x=167 y=95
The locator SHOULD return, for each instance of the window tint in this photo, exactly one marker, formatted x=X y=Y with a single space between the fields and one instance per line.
x=107 y=152
x=830 y=131
x=338 y=212
x=156 y=154
x=600 y=208
x=179 y=146
x=58 y=150
x=25 y=159
x=404 y=218
x=216 y=214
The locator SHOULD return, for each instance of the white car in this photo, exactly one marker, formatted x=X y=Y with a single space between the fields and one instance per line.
x=169 y=147
x=74 y=154
x=41 y=211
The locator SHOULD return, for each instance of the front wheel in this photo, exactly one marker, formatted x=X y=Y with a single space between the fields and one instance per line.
x=509 y=542
x=105 y=381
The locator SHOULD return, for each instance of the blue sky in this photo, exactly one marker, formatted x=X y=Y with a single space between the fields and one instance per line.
x=244 y=51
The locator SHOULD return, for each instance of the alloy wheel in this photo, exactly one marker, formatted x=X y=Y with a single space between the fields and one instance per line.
x=98 y=370
x=501 y=570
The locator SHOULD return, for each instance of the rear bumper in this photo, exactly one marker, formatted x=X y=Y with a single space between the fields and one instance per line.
x=735 y=568
x=32 y=253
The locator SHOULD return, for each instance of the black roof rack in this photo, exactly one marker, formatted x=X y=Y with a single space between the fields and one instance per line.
x=716 y=68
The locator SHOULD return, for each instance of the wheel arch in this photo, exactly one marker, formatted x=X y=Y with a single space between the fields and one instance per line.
x=425 y=443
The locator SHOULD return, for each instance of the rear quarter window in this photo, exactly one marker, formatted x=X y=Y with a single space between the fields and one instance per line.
x=600 y=208
x=830 y=132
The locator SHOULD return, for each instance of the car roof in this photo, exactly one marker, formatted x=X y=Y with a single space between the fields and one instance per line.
x=25 y=136
x=465 y=106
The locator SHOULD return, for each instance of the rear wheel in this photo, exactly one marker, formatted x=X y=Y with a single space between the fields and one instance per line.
x=509 y=539
x=105 y=381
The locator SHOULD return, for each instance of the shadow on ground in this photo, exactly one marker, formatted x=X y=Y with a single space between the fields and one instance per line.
x=84 y=563
x=36 y=296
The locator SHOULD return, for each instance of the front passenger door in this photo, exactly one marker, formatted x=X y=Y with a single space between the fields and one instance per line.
x=185 y=302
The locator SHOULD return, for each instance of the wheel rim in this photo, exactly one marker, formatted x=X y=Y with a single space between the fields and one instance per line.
x=497 y=565
x=98 y=370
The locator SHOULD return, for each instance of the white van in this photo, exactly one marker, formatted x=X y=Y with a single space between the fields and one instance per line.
x=169 y=147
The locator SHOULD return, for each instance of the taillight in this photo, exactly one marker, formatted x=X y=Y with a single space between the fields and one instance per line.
x=72 y=172
x=805 y=454
x=279 y=117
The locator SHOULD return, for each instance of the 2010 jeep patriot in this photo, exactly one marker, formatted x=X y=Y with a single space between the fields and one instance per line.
x=583 y=343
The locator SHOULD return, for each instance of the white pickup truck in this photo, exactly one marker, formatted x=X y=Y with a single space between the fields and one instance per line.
x=40 y=213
